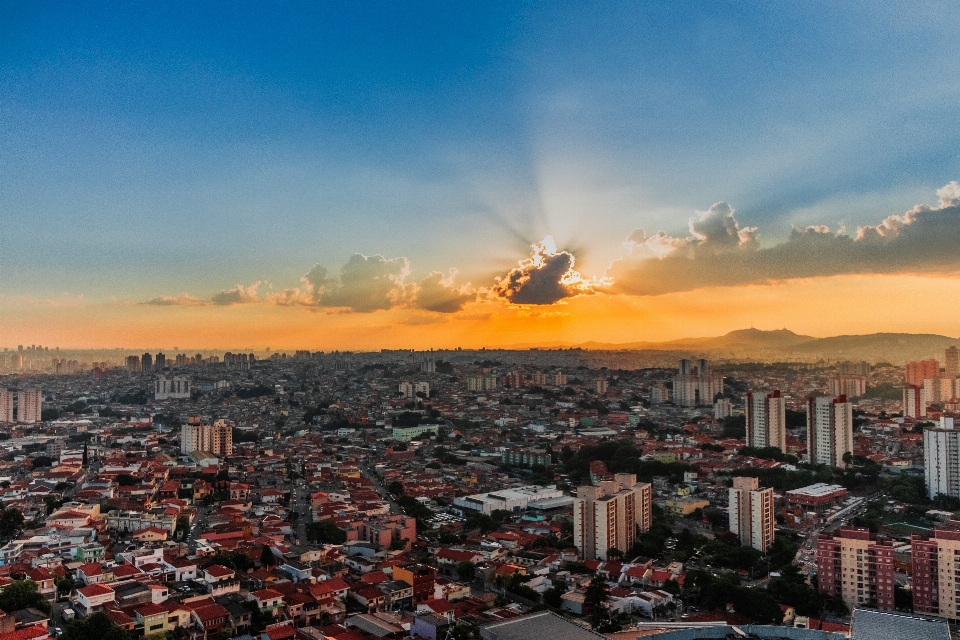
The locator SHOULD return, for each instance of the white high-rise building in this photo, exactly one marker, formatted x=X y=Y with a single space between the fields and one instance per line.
x=6 y=406
x=751 y=513
x=607 y=516
x=939 y=389
x=696 y=388
x=722 y=408
x=941 y=459
x=914 y=402
x=406 y=389
x=766 y=420
x=829 y=430
x=29 y=406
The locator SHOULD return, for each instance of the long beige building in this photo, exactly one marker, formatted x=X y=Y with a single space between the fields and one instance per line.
x=935 y=567
x=751 y=513
x=608 y=516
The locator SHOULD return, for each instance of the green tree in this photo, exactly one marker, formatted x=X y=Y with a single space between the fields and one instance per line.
x=95 y=627
x=267 y=558
x=325 y=532
x=126 y=480
x=64 y=584
x=595 y=595
x=481 y=521
x=466 y=570
x=11 y=521
x=21 y=594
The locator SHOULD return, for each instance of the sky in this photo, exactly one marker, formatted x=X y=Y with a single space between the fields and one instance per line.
x=386 y=175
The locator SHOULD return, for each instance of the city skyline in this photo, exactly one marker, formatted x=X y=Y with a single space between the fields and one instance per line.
x=436 y=176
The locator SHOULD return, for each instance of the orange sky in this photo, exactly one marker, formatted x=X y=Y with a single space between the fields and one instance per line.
x=816 y=306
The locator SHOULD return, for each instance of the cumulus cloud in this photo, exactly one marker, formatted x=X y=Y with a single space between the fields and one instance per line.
x=237 y=295
x=182 y=300
x=373 y=283
x=437 y=292
x=719 y=252
x=547 y=276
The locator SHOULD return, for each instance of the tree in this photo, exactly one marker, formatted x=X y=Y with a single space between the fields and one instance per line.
x=267 y=558
x=64 y=584
x=21 y=594
x=595 y=595
x=395 y=487
x=126 y=480
x=481 y=521
x=183 y=526
x=84 y=460
x=466 y=570
x=95 y=627
x=325 y=532
x=11 y=521
x=553 y=597
x=614 y=553
x=42 y=461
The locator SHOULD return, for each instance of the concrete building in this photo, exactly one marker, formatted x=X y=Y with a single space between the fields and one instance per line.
x=515 y=499
x=935 y=565
x=751 y=513
x=481 y=382
x=941 y=459
x=915 y=373
x=695 y=386
x=766 y=420
x=914 y=401
x=216 y=438
x=6 y=406
x=850 y=386
x=146 y=362
x=406 y=434
x=609 y=515
x=939 y=389
x=829 y=430
x=722 y=408
x=171 y=389
x=29 y=406
x=857 y=566
x=951 y=362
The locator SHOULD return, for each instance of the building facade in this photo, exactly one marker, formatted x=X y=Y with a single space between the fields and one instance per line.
x=829 y=430
x=30 y=406
x=609 y=515
x=171 y=389
x=216 y=438
x=751 y=513
x=914 y=401
x=941 y=459
x=696 y=385
x=857 y=566
x=766 y=415
x=935 y=566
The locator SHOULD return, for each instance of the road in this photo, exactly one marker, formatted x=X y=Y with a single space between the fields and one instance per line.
x=367 y=471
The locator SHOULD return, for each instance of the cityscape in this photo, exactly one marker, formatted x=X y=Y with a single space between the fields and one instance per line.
x=479 y=321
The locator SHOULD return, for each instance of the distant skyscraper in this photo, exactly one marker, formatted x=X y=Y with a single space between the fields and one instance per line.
x=6 y=406
x=160 y=361
x=829 y=430
x=693 y=389
x=29 y=406
x=133 y=363
x=951 y=362
x=766 y=420
x=847 y=385
x=146 y=362
x=916 y=372
x=751 y=513
x=174 y=388
x=722 y=408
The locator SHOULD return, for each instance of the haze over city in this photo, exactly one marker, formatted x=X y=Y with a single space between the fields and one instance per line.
x=443 y=175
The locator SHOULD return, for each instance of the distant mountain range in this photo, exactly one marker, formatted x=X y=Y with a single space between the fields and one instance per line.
x=783 y=344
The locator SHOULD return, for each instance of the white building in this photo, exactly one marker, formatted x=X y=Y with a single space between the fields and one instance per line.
x=850 y=386
x=481 y=382
x=766 y=420
x=29 y=405
x=694 y=386
x=722 y=408
x=406 y=389
x=914 y=402
x=508 y=499
x=829 y=430
x=609 y=515
x=751 y=513
x=171 y=389
x=941 y=459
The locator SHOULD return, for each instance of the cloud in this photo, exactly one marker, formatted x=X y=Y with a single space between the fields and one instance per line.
x=182 y=300
x=719 y=252
x=438 y=293
x=365 y=284
x=237 y=295
x=547 y=276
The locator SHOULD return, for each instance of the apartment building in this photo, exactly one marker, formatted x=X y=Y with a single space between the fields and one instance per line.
x=607 y=516
x=857 y=566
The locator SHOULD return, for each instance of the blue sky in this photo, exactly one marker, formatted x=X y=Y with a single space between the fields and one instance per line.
x=159 y=148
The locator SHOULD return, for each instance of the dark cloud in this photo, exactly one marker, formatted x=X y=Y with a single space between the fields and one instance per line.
x=547 y=276
x=721 y=253
x=438 y=293
x=237 y=295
